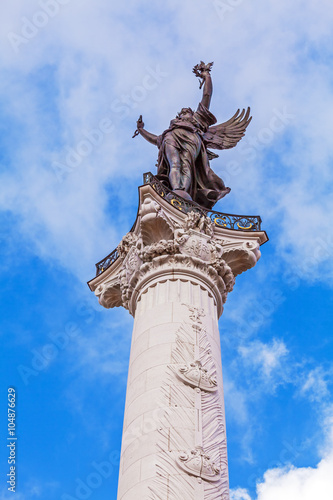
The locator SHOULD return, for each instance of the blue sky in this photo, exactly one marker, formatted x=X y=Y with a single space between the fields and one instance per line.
x=75 y=70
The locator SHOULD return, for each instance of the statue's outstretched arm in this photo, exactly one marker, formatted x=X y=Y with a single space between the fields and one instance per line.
x=152 y=138
x=207 y=90
x=202 y=71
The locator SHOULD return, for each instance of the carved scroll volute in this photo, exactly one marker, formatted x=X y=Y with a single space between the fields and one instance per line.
x=241 y=256
x=109 y=294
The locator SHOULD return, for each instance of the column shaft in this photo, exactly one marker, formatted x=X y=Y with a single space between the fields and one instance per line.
x=174 y=416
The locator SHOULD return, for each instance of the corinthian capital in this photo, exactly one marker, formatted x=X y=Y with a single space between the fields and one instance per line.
x=172 y=243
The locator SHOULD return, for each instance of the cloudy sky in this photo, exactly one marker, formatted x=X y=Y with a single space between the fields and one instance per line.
x=75 y=76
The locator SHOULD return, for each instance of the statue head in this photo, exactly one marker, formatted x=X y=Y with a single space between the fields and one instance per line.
x=185 y=114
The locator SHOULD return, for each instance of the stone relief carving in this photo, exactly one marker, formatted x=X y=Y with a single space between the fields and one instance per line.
x=197 y=463
x=169 y=483
x=191 y=243
x=177 y=427
x=149 y=252
x=199 y=222
x=196 y=313
x=192 y=391
x=214 y=435
x=195 y=375
x=128 y=241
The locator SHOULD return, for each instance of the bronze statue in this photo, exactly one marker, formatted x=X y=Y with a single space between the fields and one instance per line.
x=183 y=160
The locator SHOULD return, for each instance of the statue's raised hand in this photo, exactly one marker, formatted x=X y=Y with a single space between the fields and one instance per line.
x=139 y=124
x=202 y=70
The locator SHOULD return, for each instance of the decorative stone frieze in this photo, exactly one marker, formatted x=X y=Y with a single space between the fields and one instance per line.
x=195 y=382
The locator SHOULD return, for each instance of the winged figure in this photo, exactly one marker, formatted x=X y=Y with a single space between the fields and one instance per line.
x=183 y=159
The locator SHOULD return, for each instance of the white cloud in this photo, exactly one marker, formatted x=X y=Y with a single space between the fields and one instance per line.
x=298 y=483
x=98 y=53
x=315 y=385
x=239 y=494
x=267 y=357
x=261 y=369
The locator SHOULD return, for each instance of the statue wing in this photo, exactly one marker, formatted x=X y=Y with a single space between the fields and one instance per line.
x=228 y=134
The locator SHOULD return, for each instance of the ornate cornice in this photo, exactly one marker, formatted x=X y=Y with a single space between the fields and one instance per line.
x=224 y=223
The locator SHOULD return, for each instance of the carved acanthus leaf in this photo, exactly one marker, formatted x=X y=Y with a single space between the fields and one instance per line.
x=128 y=241
x=149 y=252
x=199 y=222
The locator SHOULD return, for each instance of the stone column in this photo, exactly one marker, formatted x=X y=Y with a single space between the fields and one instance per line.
x=173 y=274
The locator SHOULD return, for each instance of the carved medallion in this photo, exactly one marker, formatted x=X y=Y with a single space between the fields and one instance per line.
x=196 y=245
x=197 y=463
x=197 y=376
x=132 y=262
